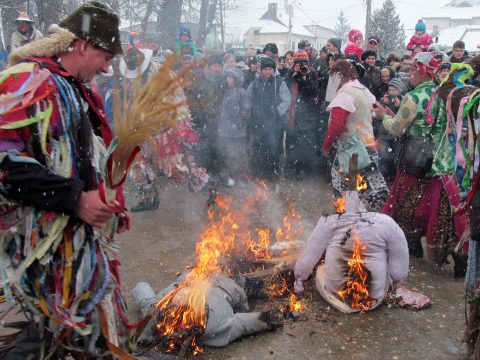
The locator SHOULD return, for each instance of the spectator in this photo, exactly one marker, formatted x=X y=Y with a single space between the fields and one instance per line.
x=25 y=32
x=371 y=78
x=232 y=127
x=373 y=43
x=392 y=59
x=302 y=120
x=185 y=39
x=420 y=40
x=229 y=62
x=270 y=101
x=207 y=96
x=270 y=49
x=459 y=54
x=444 y=70
x=354 y=46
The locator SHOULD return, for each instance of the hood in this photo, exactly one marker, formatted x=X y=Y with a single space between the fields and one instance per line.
x=237 y=74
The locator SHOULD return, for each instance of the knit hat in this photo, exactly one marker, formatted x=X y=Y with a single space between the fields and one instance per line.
x=272 y=47
x=300 y=57
x=267 y=62
x=215 y=59
x=421 y=26
x=185 y=30
x=367 y=53
x=355 y=34
x=23 y=17
x=96 y=23
x=337 y=42
x=400 y=83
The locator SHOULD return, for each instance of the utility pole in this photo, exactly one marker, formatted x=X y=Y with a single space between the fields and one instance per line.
x=368 y=18
x=289 y=8
x=222 y=23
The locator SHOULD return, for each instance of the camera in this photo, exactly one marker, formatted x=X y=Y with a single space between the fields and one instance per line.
x=304 y=69
x=391 y=99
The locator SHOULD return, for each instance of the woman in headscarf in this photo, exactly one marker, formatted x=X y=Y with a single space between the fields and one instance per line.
x=350 y=131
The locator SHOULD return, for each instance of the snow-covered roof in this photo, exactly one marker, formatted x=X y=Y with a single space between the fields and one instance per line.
x=468 y=34
x=454 y=12
x=276 y=22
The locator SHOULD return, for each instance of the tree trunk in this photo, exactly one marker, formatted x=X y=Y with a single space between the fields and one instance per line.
x=48 y=12
x=368 y=19
x=170 y=13
x=208 y=10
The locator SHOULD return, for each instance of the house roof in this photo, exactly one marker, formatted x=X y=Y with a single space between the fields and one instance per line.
x=275 y=21
x=470 y=35
x=456 y=12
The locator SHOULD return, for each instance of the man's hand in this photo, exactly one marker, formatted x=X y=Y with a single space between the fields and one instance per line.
x=124 y=222
x=91 y=209
x=379 y=111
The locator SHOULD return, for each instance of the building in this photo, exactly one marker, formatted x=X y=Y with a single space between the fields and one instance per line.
x=273 y=27
x=458 y=20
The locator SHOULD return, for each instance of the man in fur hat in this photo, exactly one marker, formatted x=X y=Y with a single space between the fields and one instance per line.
x=53 y=131
x=25 y=32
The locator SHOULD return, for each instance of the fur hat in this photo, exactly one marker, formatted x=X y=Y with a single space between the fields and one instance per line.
x=267 y=62
x=367 y=53
x=272 y=47
x=96 y=23
x=421 y=26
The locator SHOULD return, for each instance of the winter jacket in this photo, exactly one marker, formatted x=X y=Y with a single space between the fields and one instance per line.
x=372 y=79
x=235 y=109
x=205 y=101
x=302 y=113
x=270 y=101
x=18 y=39
x=385 y=255
x=425 y=41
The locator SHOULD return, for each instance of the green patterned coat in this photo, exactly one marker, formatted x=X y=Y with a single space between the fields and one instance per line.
x=411 y=120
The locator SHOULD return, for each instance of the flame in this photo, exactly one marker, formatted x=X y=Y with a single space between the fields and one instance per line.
x=360 y=183
x=340 y=204
x=295 y=305
x=355 y=292
x=226 y=240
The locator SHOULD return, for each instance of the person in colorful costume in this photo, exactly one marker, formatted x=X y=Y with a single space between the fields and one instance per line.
x=55 y=241
x=431 y=198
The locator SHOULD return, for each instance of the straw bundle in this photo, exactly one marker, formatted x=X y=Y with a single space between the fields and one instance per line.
x=151 y=110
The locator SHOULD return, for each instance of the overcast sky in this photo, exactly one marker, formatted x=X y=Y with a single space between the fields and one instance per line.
x=325 y=12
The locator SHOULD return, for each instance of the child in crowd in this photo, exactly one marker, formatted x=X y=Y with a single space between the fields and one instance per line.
x=232 y=127
x=354 y=45
x=421 y=40
x=185 y=40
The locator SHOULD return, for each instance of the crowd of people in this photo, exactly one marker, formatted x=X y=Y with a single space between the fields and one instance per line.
x=399 y=122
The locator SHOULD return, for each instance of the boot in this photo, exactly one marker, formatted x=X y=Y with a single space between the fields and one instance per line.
x=460 y=265
x=414 y=243
x=140 y=207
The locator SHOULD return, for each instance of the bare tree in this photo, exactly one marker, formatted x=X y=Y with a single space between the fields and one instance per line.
x=208 y=10
x=171 y=15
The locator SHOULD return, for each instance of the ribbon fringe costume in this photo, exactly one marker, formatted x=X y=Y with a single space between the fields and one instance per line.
x=55 y=262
